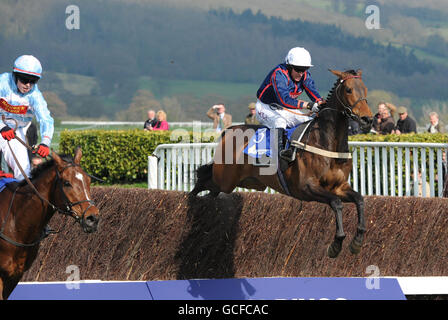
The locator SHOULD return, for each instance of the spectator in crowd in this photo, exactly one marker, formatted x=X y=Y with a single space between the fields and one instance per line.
x=405 y=124
x=161 y=123
x=251 y=117
x=149 y=124
x=386 y=123
x=377 y=118
x=435 y=125
x=383 y=122
x=221 y=120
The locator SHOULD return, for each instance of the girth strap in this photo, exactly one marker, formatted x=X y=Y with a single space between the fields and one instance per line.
x=322 y=152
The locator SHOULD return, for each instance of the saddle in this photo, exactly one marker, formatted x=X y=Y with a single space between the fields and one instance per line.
x=259 y=147
x=5 y=181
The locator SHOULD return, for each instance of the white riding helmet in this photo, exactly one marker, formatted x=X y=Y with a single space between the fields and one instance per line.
x=27 y=64
x=298 y=56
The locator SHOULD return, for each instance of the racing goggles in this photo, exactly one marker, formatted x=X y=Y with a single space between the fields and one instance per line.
x=26 y=79
x=300 y=69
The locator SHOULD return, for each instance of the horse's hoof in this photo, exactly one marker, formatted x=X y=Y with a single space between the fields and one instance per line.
x=334 y=249
x=355 y=246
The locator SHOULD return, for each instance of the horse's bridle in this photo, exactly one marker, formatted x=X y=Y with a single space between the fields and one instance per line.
x=348 y=109
x=68 y=210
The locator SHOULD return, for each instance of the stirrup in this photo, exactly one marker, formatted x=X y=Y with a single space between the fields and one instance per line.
x=288 y=154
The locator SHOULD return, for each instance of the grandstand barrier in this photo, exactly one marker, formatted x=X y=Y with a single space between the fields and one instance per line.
x=379 y=168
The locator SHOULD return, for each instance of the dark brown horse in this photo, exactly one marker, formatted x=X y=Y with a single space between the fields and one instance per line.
x=62 y=186
x=310 y=177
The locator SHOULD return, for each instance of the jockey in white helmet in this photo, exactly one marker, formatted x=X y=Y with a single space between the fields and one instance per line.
x=278 y=106
x=21 y=100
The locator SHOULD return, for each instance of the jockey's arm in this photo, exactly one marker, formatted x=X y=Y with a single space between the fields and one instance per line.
x=280 y=85
x=310 y=89
x=43 y=117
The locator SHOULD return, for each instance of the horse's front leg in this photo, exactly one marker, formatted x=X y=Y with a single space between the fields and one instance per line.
x=335 y=247
x=353 y=196
x=324 y=196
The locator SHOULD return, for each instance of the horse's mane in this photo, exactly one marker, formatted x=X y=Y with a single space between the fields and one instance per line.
x=43 y=167
x=331 y=92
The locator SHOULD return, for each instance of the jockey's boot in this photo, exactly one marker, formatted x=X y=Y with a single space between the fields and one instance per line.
x=288 y=154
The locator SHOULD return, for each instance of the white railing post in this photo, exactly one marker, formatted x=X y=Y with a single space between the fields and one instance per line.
x=152 y=172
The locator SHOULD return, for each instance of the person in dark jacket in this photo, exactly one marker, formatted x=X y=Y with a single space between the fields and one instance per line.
x=278 y=105
x=405 y=124
x=151 y=121
x=386 y=123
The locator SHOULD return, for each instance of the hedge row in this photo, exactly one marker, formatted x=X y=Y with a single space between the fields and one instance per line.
x=410 y=137
x=122 y=155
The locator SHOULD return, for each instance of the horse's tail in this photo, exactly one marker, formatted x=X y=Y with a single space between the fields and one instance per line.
x=204 y=172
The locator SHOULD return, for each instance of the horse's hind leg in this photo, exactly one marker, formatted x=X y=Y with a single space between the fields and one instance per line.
x=353 y=196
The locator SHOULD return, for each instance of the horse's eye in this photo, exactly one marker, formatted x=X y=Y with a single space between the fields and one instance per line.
x=67 y=184
x=348 y=90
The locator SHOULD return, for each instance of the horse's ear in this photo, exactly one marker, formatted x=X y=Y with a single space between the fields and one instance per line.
x=337 y=73
x=359 y=72
x=57 y=159
x=78 y=155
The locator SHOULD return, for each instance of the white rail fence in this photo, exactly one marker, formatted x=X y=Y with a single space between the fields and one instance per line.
x=379 y=168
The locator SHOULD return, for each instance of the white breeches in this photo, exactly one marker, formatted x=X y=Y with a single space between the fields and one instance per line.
x=279 y=118
x=20 y=151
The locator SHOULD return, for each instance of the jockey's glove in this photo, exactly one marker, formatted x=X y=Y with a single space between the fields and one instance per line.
x=43 y=150
x=7 y=133
x=313 y=107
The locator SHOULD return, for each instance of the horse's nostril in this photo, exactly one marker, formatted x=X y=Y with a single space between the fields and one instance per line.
x=91 y=220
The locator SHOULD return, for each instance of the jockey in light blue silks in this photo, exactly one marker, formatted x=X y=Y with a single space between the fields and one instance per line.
x=278 y=106
x=21 y=100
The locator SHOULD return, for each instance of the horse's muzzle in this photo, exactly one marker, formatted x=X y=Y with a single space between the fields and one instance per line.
x=90 y=223
x=365 y=124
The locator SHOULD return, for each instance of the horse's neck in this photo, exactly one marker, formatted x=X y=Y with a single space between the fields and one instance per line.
x=333 y=127
x=35 y=213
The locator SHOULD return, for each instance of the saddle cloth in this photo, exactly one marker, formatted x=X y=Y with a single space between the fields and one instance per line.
x=5 y=181
x=260 y=145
